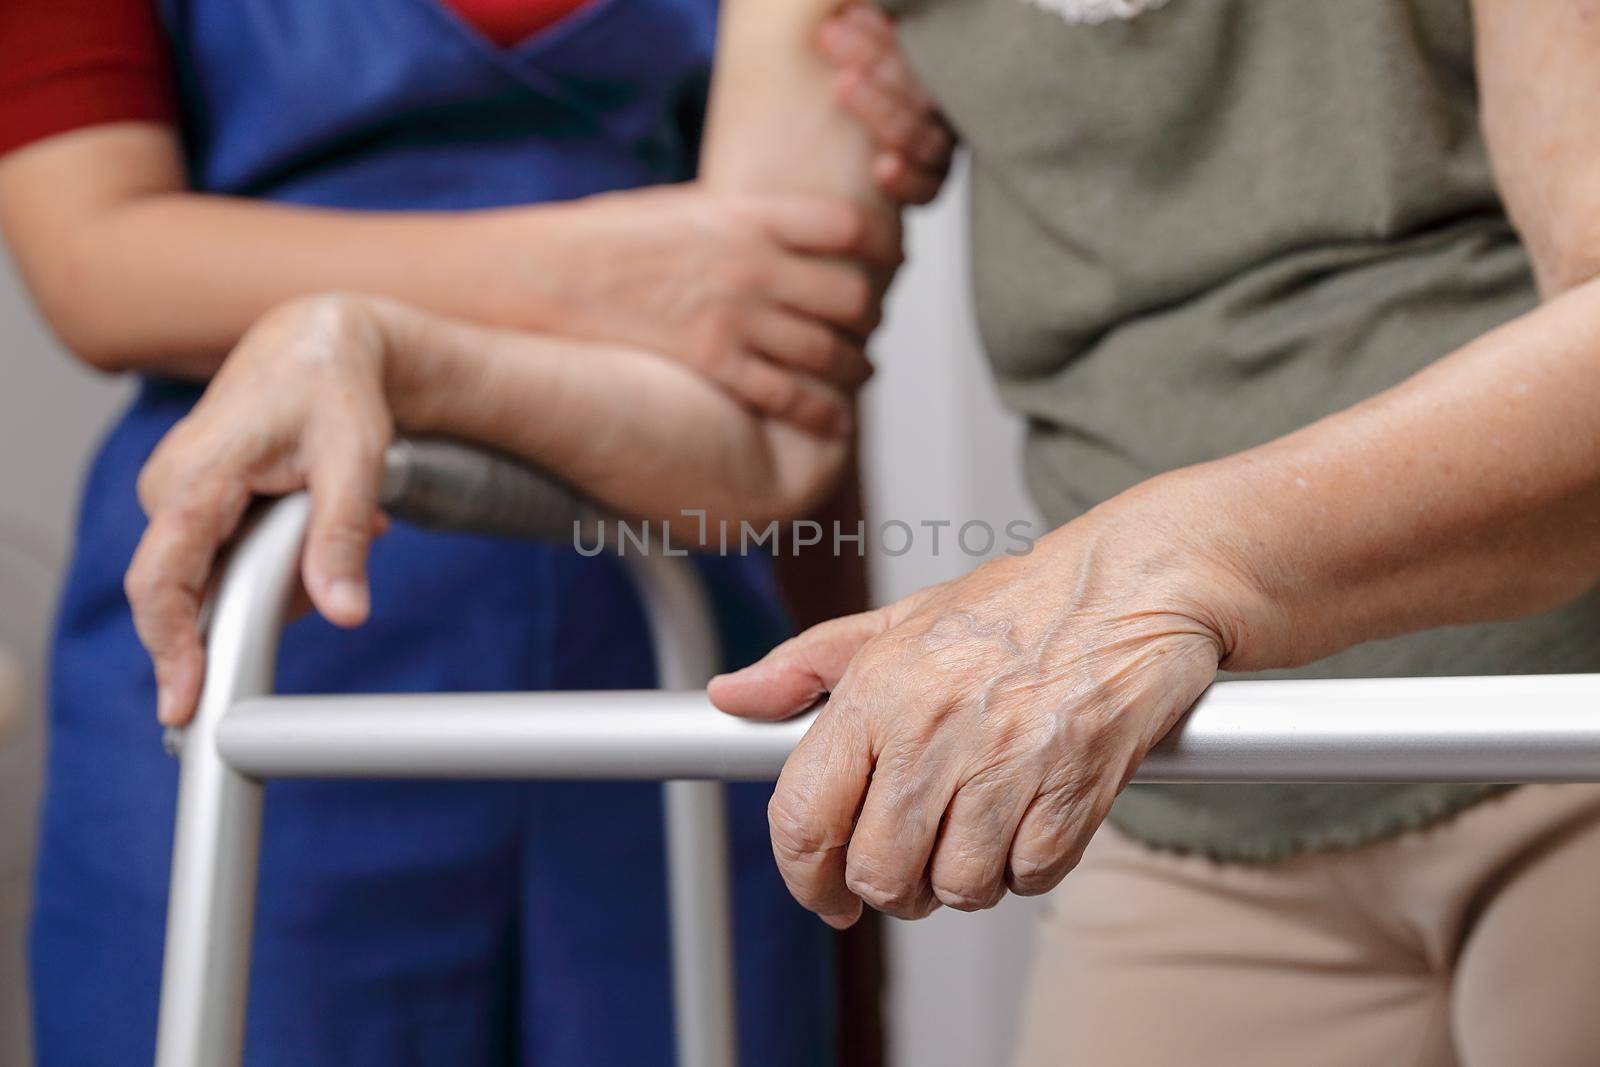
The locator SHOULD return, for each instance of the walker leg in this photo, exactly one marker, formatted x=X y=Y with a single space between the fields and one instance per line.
x=684 y=633
x=206 y=970
x=701 y=904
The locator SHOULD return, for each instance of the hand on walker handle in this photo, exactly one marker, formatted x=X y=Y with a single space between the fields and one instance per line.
x=299 y=404
x=317 y=391
x=976 y=732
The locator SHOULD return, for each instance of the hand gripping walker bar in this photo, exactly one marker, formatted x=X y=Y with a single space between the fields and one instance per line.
x=1488 y=729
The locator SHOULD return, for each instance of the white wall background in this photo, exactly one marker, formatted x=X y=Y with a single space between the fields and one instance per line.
x=51 y=412
x=938 y=447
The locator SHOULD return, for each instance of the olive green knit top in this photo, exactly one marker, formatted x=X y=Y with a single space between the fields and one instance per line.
x=1199 y=228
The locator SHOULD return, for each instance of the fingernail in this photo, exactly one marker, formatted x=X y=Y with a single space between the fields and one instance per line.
x=348 y=598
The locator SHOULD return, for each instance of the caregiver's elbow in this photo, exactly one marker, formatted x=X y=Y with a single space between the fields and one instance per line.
x=67 y=293
x=83 y=332
x=100 y=317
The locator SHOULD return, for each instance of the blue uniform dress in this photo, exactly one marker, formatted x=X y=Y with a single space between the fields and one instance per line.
x=409 y=923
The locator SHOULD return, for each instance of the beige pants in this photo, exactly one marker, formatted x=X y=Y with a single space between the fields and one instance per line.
x=1472 y=943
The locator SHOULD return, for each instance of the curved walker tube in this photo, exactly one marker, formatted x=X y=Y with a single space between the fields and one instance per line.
x=1490 y=729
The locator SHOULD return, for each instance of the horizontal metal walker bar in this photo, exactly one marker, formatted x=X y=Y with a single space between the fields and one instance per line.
x=1536 y=728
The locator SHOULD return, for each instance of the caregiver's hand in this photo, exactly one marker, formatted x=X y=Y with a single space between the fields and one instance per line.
x=298 y=404
x=914 y=145
x=769 y=296
x=976 y=732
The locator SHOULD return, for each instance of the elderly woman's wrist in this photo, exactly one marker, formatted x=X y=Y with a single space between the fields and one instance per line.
x=417 y=371
x=1197 y=536
x=366 y=336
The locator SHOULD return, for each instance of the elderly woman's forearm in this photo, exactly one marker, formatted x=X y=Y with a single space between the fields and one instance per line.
x=636 y=432
x=1470 y=492
x=774 y=125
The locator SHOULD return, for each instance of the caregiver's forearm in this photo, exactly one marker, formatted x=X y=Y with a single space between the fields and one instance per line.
x=137 y=273
x=1470 y=492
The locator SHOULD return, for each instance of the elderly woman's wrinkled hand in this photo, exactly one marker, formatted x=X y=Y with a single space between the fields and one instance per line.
x=976 y=733
x=300 y=403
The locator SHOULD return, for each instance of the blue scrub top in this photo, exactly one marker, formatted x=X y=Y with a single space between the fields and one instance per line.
x=442 y=922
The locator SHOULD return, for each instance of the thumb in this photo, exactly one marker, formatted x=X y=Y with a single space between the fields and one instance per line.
x=791 y=677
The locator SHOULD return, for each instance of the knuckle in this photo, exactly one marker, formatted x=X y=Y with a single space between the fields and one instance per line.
x=725 y=330
x=725 y=366
x=744 y=273
x=852 y=221
x=330 y=315
x=715 y=341
x=856 y=294
x=794 y=832
x=153 y=480
x=784 y=395
x=192 y=513
x=898 y=130
x=167 y=465
x=814 y=414
x=814 y=347
x=1031 y=875
x=148 y=488
x=141 y=584
x=933 y=145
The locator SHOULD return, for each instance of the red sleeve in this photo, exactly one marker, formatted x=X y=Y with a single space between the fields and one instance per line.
x=65 y=64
